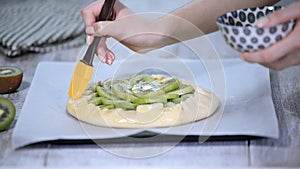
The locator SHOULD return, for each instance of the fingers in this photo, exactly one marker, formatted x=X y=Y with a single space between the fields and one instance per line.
x=285 y=61
x=281 y=16
x=89 y=30
x=104 y=54
x=276 y=51
x=89 y=15
x=277 y=57
x=101 y=29
x=108 y=29
x=281 y=55
x=91 y=12
x=290 y=59
x=270 y=54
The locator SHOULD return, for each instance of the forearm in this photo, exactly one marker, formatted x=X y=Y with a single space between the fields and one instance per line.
x=199 y=17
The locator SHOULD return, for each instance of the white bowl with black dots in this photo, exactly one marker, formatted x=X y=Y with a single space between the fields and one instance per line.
x=239 y=30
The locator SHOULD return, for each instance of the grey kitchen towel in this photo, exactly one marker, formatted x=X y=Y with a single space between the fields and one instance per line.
x=40 y=26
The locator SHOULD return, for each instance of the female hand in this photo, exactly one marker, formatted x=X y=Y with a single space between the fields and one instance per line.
x=286 y=52
x=135 y=32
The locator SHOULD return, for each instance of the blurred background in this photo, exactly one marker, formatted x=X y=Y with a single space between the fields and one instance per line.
x=41 y=26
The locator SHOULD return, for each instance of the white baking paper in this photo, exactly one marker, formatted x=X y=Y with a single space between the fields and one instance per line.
x=246 y=108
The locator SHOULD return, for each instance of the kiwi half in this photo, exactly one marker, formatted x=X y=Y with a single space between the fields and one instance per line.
x=7 y=113
x=10 y=79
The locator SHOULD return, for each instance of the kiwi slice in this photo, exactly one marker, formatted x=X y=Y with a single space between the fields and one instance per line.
x=123 y=91
x=107 y=84
x=172 y=95
x=125 y=105
x=110 y=106
x=182 y=91
x=159 y=99
x=148 y=93
x=106 y=101
x=146 y=90
x=102 y=92
x=10 y=79
x=170 y=85
x=93 y=95
x=180 y=99
x=7 y=113
x=141 y=89
x=140 y=79
x=96 y=101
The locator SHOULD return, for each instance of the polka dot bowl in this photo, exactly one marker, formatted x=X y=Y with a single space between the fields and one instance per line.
x=239 y=30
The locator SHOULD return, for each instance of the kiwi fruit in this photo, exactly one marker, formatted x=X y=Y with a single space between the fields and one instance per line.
x=110 y=106
x=170 y=85
x=123 y=91
x=125 y=105
x=140 y=79
x=183 y=91
x=146 y=90
x=181 y=98
x=102 y=92
x=7 y=113
x=93 y=95
x=107 y=84
x=172 y=95
x=95 y=100
x=141 y=89
x=105 y=101
x=159 y=99
x=10 y=78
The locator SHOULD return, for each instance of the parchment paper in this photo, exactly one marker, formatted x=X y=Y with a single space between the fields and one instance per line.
x=247 y=108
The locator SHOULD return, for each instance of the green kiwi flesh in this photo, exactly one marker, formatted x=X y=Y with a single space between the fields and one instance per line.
x=10 y=79
x=7 y=113
x=140 y=89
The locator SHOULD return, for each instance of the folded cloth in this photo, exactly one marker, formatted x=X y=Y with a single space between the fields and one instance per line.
x=40 y=26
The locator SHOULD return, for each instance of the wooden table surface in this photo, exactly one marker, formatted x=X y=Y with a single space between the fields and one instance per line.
x=264 y=152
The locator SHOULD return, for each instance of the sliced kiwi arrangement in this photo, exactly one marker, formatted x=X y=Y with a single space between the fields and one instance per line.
x=7 y=113
x=10 y=78
x=140 y=89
